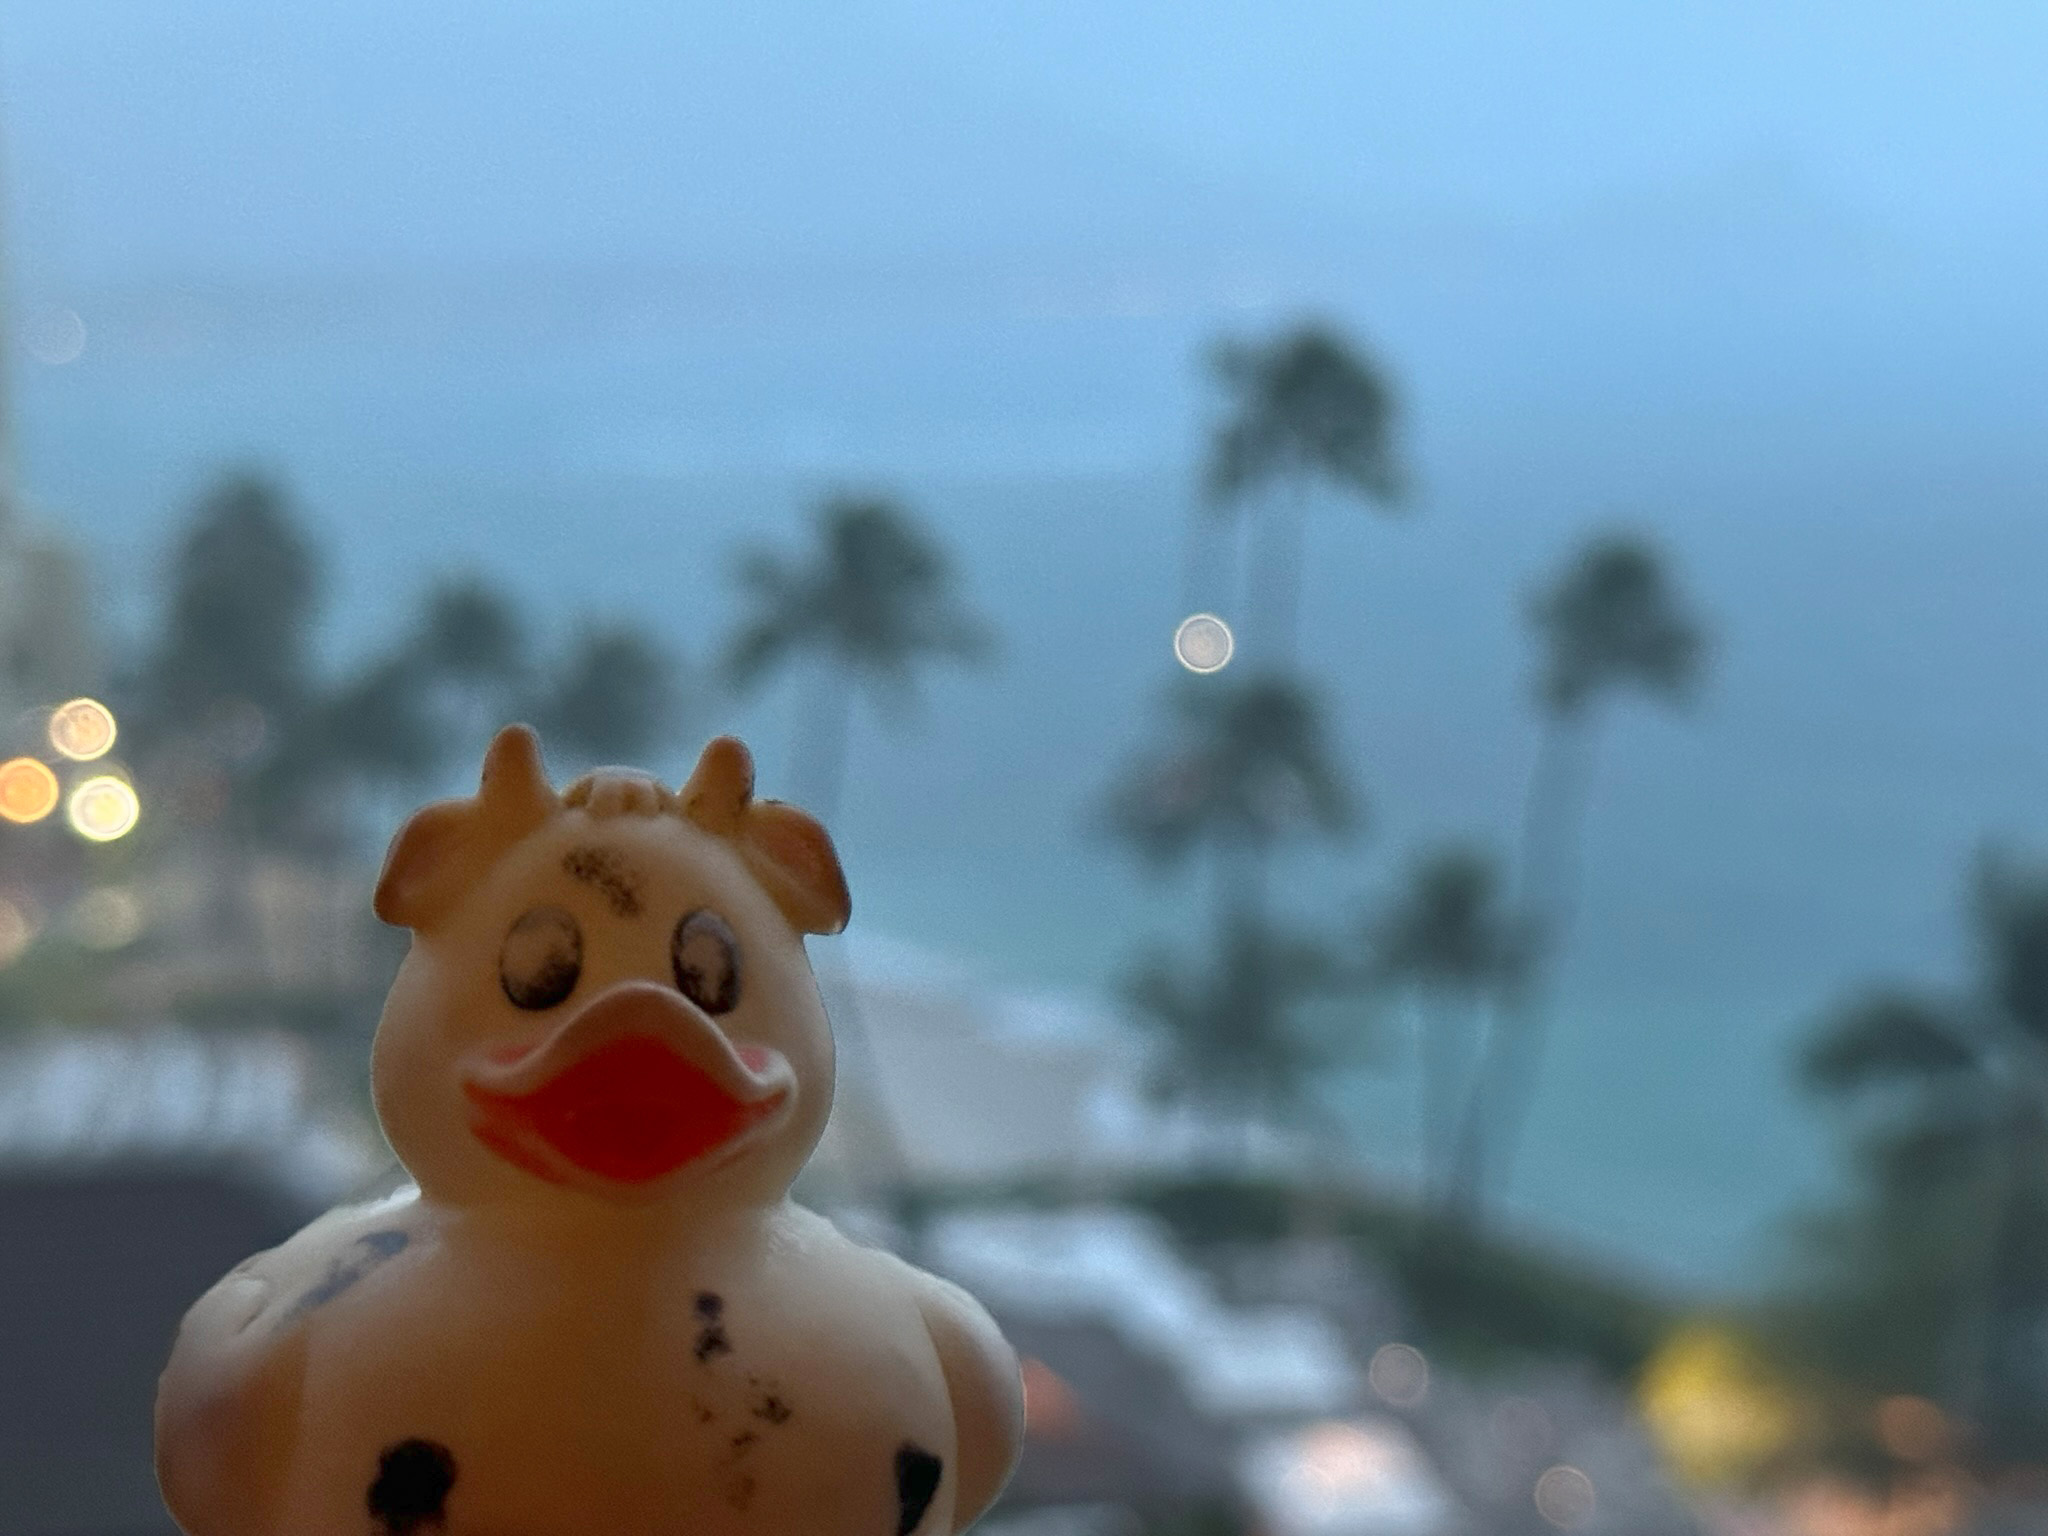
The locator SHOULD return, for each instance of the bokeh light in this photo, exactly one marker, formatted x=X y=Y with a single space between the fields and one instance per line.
x=1051 y=1410
x=1565 y=1497
x=104 y=808
x=1399 y=1374
x=56 y=336
x=82 y=730
x=1203 y=643
x=28 y=790
x=1914 y=1429
x=107 y=918
x=17 y=930
x=1717 y=1410
x=1339 y=1460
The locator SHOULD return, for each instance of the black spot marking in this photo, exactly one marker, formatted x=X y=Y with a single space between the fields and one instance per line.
x=607 y=873
x=411 y=1490
x=711 y=1341
x=739 y=1493
x=743 y=1442
x=917 y=1479
x=361 y=1256
x=773 y=1409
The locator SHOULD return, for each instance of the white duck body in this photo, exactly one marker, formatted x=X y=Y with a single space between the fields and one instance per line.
x=559 y=1332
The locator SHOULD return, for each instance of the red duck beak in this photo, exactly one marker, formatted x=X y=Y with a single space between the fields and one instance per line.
x=633 y=1086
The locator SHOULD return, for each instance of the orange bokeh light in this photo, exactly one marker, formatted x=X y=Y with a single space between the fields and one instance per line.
x=28 y=790
x=1051 y=1411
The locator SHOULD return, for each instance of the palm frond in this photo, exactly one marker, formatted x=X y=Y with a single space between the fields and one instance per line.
x=1615 y=619
x=1307 y=405
x=1888 y=1038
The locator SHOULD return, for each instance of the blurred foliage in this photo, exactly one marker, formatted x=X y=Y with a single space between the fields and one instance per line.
x=1448 y=940
x=1485 y=1301
x=871 y=603
x=1239 y=1040
x=1613 y=622
x=611 y=699
x=1246 y=764
x=230 y=713
x=1304 y=409
x=1244 y=767
x=1305 y=405
x=1933 y=1278
x=1482 y=1300
x=875 y=596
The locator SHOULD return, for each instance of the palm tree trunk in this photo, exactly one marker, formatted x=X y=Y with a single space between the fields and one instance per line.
x=1503 y=1088
x=1276 y=577
x=1206 y=576
x=875 y=1153
x=1441 y=1027
x=824 y=733
x=2002 y=1400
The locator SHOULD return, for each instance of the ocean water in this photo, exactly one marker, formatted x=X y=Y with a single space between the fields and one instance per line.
x=1858 y=514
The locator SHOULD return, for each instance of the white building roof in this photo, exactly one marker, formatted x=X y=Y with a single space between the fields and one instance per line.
x=1117 y=1265
x=78 y=1098
x=975 y=1082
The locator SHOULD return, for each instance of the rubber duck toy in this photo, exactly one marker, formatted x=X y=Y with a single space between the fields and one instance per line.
x=603 y=1061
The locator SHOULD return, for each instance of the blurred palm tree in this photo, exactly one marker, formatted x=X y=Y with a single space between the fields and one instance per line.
x=1614 y=622
x=870 y=605
x=471 y=633
x=1247 y=767
x=229 y=686
x=1236 y=1041
x=614 y=697
x=1948 y=1100
x=1306 y=408
x=1450 y=942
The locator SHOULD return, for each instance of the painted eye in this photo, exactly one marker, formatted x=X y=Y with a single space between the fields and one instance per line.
x=706 y=958
x=542 y=959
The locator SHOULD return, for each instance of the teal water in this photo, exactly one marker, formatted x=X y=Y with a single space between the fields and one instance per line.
x=1859 y=513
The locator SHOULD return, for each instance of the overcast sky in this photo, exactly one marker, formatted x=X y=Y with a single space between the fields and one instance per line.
x=254 y=137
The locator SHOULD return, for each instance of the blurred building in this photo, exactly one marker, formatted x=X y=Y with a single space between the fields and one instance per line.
x=945 y=1080
x=135 y=1170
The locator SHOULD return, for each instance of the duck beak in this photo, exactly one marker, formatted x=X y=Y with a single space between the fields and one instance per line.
x=635 y=1085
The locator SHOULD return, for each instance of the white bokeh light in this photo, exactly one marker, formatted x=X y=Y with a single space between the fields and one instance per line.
x=1203 y=643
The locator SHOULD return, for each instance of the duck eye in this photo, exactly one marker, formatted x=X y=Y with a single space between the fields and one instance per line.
x=706 y=957
x=541 y=959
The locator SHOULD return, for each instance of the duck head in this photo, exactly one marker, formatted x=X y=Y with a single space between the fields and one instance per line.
x=607 y=994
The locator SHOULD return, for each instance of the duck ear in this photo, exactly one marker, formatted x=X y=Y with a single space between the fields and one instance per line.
x=720 y=787
x=425 y=867
x=785 y=849
x=514 y=792
x=446 y=847
x=793 y=858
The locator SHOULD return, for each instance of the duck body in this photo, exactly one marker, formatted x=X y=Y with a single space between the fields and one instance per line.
x=593 y=1317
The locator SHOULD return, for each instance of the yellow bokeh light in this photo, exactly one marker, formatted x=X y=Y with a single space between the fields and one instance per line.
x=1715 y=1407
x=28 y=790
x=104 y=808
x=82 y=729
